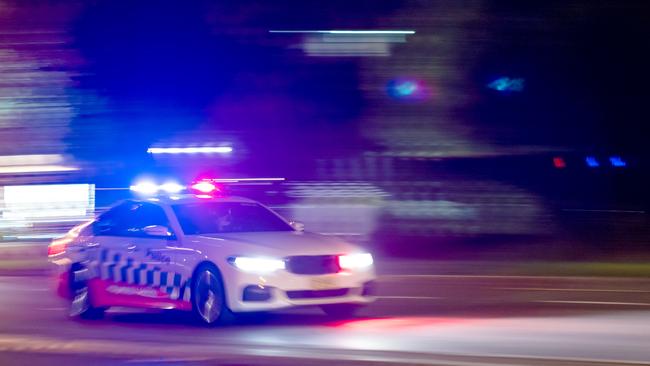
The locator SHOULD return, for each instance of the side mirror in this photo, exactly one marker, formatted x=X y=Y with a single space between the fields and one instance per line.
x=157 y=231
x=297 y=225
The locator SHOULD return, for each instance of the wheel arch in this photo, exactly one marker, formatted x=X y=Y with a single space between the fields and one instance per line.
x=208 y=264
x=72 y=281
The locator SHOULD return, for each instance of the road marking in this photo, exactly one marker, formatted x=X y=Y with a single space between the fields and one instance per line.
x=407 y=276
x=168 y=360
x=29 y=289
x=594 y=302
x=568 y=289
x=410 y=297
x=233 y=352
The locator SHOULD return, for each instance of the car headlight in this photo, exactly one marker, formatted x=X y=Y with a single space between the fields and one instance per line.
x=257 y=265
x=355 y=261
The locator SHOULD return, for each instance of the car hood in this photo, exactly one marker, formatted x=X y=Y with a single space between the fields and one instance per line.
x=279 y=243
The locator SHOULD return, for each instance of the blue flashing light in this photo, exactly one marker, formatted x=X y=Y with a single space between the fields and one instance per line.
x=506 y=84
x=172 y=187
x=592 y=162
x=145 y=187
x=617 y=161
x=149 y=188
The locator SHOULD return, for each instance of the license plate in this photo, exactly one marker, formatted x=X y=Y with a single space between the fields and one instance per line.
x=323 y=283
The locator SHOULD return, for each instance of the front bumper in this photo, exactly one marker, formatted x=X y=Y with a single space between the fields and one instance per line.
x=281 y=289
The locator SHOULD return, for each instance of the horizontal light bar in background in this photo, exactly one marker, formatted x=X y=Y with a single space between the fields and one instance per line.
x=37 y=163
x=35 y=159
x=339 y=31
x=36 y=169
x=190 y=150
x=40 y=236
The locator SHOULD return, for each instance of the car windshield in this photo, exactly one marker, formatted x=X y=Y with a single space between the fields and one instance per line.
x=227 y=217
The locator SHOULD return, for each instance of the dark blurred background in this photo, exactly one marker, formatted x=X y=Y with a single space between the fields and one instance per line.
x=476 y=129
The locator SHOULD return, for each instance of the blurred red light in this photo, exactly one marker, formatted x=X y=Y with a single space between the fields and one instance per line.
x=57 y=247
x=559 y=163
x=205 y=187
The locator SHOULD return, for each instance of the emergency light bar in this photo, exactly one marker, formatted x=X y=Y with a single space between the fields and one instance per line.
x=203 y=187
x=149 y=187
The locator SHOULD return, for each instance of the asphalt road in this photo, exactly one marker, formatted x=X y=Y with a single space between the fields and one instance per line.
x=427 y=319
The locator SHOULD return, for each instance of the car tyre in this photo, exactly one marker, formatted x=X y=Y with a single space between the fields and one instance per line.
x=209 y=298
x=80 y=303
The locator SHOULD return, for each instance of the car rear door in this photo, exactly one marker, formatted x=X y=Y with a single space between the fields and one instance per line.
x=132 y=262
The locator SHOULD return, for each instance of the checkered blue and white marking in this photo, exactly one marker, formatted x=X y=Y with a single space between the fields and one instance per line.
x=113 y=266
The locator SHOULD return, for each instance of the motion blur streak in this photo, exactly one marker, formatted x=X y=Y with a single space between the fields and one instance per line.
x=487 y=153
x=15 y=164
x=36 y=169
x=190 y=150
x=347 y=43
x=44 y=210
x=354 y=32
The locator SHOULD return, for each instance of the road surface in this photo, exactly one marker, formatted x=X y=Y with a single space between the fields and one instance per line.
x=428 y=319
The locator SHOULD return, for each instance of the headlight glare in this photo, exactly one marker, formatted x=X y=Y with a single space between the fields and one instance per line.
x=355 y=261
x=257 y=265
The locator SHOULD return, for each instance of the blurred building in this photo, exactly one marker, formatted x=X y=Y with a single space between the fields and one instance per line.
x=410 y=118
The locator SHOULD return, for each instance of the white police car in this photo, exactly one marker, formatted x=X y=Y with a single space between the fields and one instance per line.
x=209 y=255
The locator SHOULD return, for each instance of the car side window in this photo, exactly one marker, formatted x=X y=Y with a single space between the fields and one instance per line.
x=110 y=222
x=130 y=219
x=142 y=215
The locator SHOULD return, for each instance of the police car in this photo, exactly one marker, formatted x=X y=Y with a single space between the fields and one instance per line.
x=209 y=254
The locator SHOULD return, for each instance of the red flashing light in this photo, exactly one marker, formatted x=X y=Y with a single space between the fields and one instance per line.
x=205 y=187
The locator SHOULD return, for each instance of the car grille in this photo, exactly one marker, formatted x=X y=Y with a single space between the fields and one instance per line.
x=313 y=264
x=316 y=294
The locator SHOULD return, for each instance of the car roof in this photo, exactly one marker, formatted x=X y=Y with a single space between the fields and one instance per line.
x=190 y=198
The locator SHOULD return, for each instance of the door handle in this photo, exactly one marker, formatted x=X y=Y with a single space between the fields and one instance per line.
x=131 y=248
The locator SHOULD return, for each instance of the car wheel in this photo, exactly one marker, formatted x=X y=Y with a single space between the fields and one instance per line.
x=80 y=304
x=341 y=311
x=208 y=297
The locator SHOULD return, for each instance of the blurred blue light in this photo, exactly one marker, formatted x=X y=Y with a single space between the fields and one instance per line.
x=151 y=188
x=617 y=161
x=592 y=162
x=408 y=89
x=172 y=187
x=190 y=150
x=145 y=187
x=505 y=84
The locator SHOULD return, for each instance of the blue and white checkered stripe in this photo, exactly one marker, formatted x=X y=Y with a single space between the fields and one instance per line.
x=113 y=266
